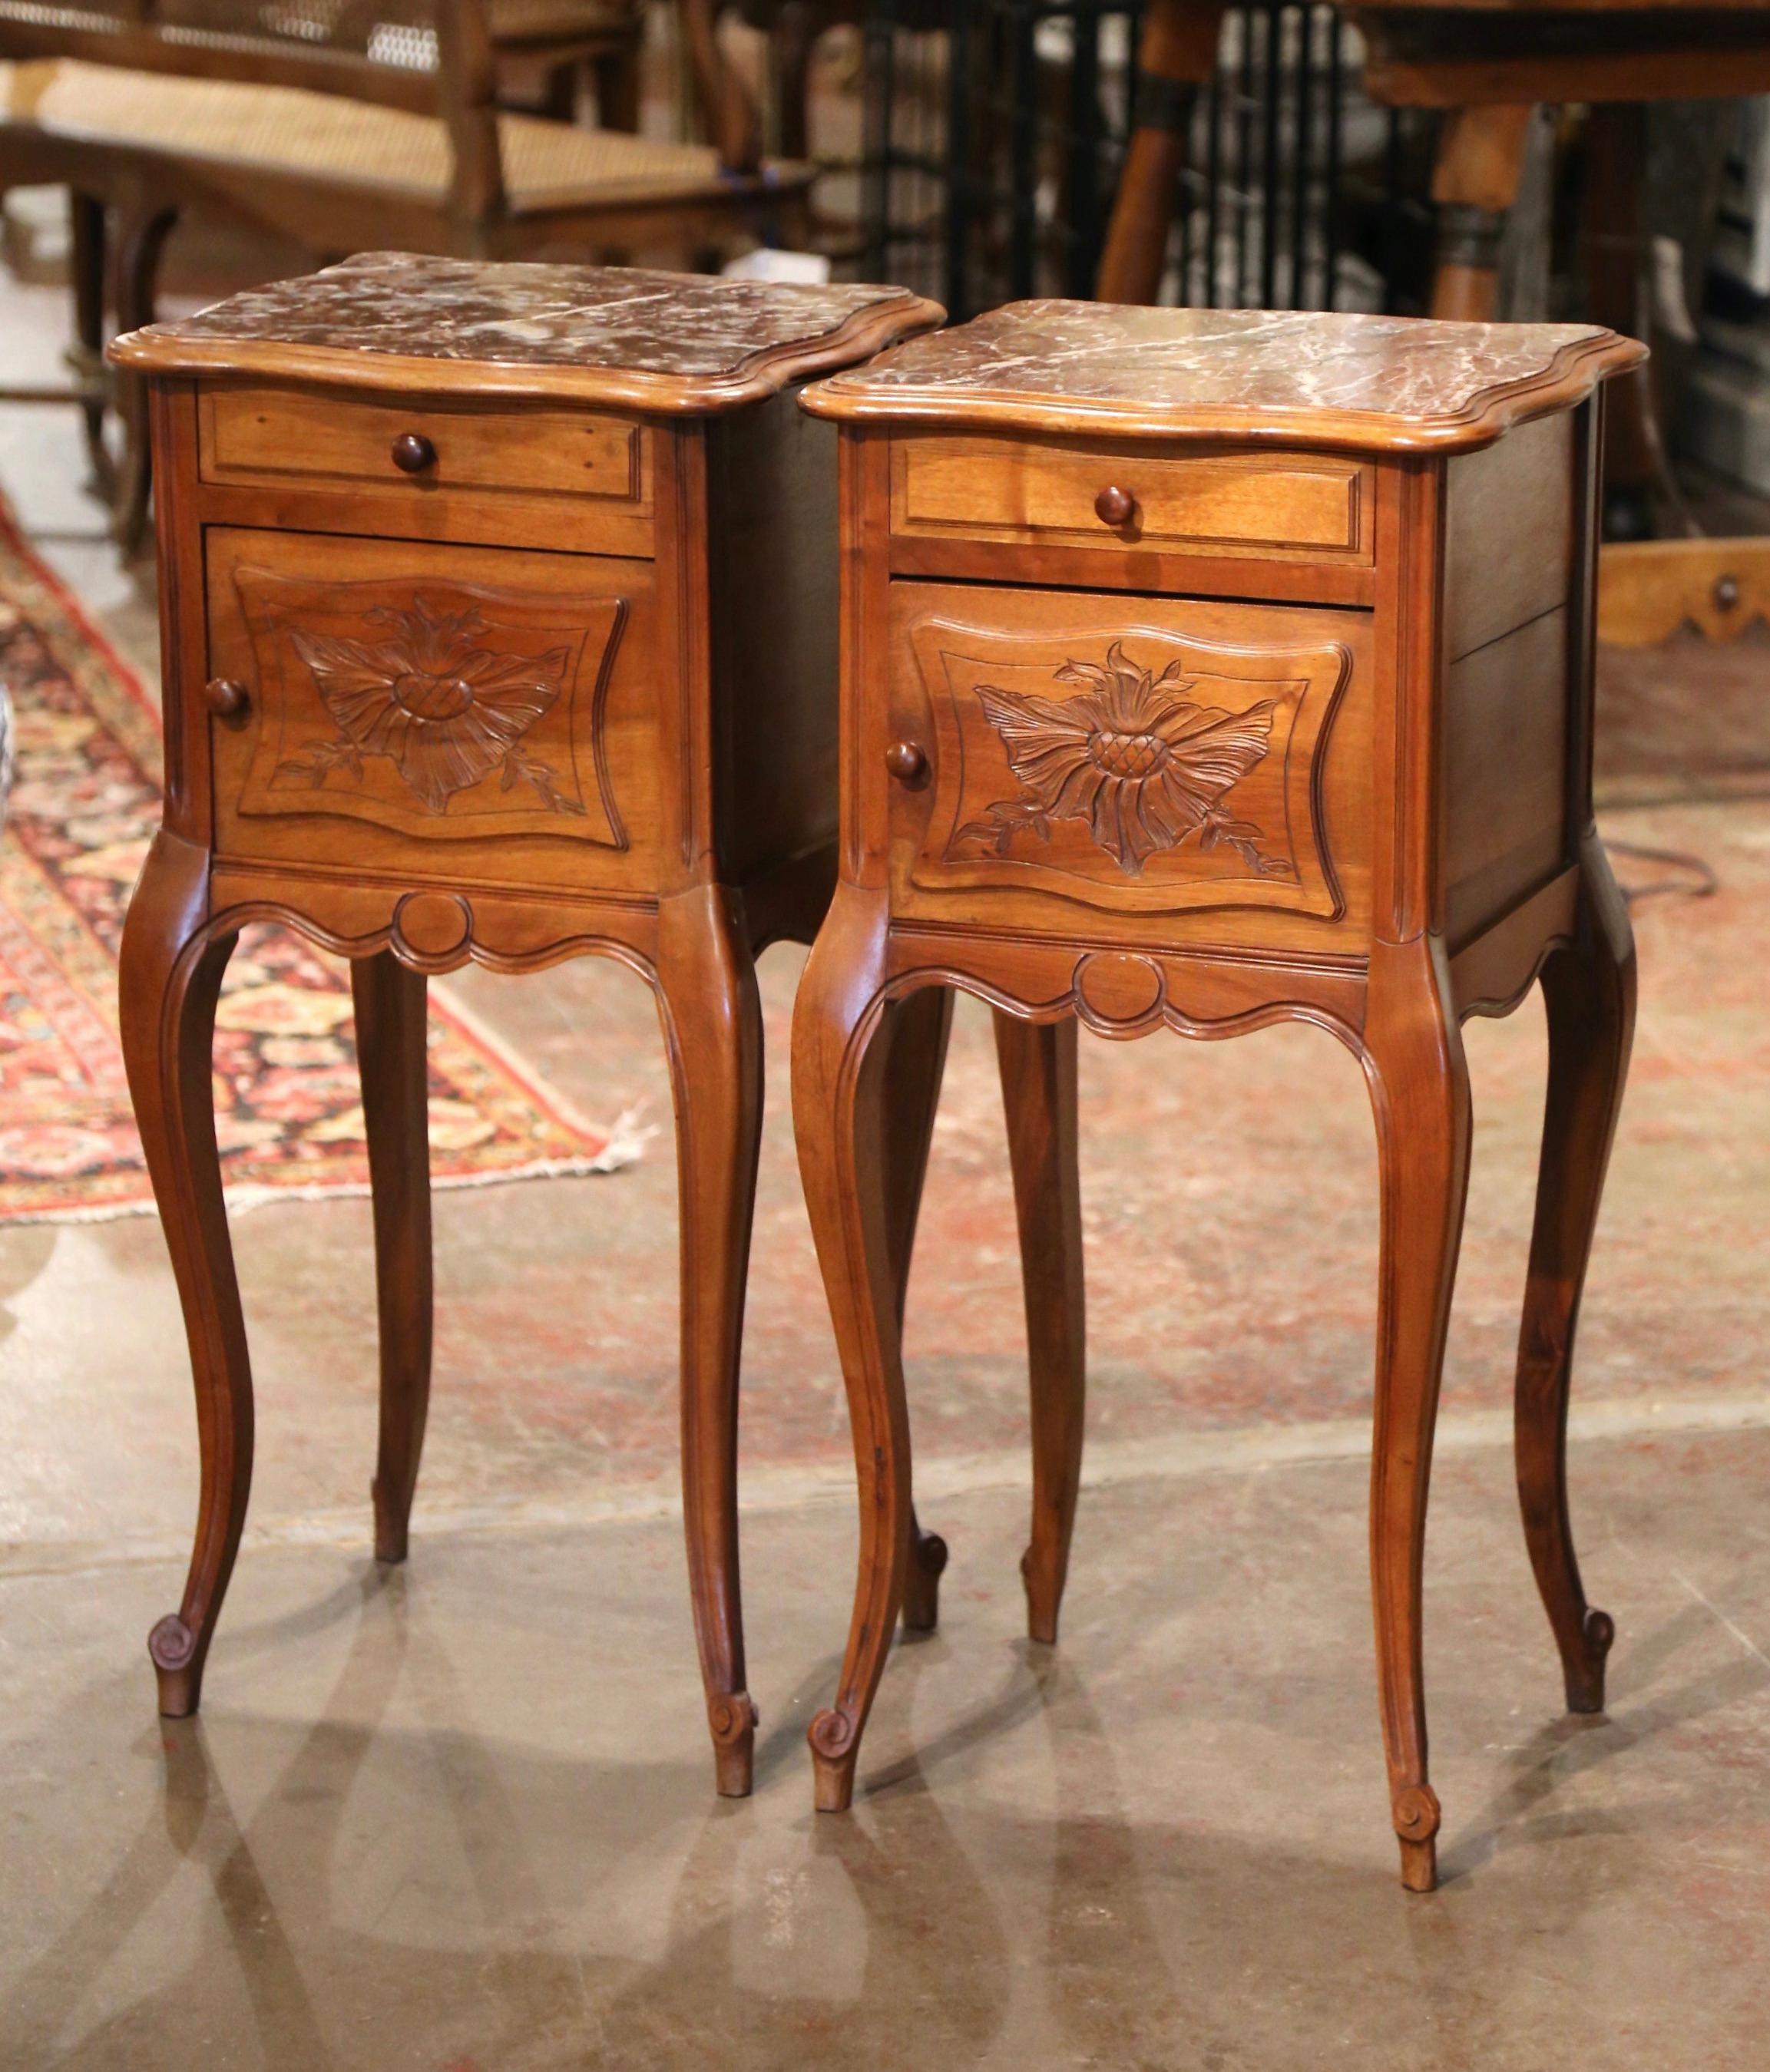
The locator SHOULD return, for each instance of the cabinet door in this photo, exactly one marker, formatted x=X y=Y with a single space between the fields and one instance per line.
x=492 y=716
x=1177 y=764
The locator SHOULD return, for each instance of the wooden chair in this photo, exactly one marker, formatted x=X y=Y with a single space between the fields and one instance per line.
x=343 y=125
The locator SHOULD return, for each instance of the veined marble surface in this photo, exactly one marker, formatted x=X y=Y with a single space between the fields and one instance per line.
x=1102 y=357
x=522 y=314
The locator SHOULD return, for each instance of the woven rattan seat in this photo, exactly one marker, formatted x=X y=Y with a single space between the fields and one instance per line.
x=290 y=130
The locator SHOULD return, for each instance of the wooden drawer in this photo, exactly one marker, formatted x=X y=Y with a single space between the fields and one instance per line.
x=1282 y=506
x=436 y=711
x=1201 y=770
x=593 y=472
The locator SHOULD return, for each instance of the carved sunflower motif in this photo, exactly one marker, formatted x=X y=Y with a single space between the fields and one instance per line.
x=445 y=710
x=1134 y=757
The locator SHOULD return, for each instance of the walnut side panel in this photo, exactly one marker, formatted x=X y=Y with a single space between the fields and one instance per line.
x=1505 y=773
x=771 y=531
x=1510 y=545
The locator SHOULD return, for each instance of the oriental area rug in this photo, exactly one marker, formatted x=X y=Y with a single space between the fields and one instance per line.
x=289 y=1119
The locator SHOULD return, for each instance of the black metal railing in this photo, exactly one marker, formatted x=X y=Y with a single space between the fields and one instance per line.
x=994 y=130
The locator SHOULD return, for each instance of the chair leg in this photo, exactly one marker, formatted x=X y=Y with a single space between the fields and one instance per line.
x=712 y=1020
x=392 y=1060
x=840 y=1042
x=1419 y=1089
x=915 y=1061
x=171 y=975
x=1038 y=1067
x=137 y=276
x=1589 y=991
x=86 y=216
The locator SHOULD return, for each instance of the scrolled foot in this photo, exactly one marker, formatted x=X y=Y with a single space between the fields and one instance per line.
x=1416 y=1813
x=172 y=1648
x=390 y=1530
x=733 y=1721
x=835 y=1739
x=922 y=1584
x=1585 y=1674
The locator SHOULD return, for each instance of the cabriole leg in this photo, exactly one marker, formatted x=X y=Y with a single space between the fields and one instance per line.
x=713 y=1027
x=1039 y=1092
x=171 y=975
x=1419 y=1087
x=1589 y=991
x=393 y=1061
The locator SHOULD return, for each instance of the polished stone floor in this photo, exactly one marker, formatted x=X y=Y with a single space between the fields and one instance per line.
x=460 y=1817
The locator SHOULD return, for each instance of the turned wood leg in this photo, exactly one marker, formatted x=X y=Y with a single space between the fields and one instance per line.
x=170 y=977
x=840 y=1042
x=1039 y=1092
x=713 y=1027
x=1480 y=161
x=1420 y=1093
x=1589 y=991
x=392 y=1058
x=914 y=1062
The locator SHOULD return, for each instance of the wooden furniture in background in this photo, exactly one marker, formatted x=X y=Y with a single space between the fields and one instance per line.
x=1202 y=670
x=342 y=127
x=499 y=624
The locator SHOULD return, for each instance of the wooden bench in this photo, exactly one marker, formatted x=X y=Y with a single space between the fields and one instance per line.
x=340 y=125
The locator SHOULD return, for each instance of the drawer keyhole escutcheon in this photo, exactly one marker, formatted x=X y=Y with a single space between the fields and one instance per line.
x=414 y=453
x=225 y=697
x=1114 y=506
x=908 y=762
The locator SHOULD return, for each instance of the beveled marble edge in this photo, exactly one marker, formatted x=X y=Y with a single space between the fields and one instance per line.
x=159 y=350
x=1576 y=369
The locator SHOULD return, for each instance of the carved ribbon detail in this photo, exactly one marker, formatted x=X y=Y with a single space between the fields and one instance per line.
x=1134 y=757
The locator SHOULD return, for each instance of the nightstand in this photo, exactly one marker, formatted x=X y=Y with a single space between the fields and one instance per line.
x=499 y=624
x=1202 y=670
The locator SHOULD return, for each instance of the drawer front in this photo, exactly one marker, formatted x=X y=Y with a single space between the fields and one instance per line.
x=1304 y=507
x=298 y=439
x=1193 y=763
x=417 y=709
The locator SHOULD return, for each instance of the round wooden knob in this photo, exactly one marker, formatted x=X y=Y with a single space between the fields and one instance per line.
x=1114 y=506
x=412 y=453
x=906 y=761
x=225 y=697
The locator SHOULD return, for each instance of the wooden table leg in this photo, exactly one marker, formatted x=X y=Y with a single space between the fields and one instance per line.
x=914 y=1063
x=712 y=1021
x=1038 y=1067
x=1419 y=1085
x=1480 y=161
x=392 y=1060
x=171 y=975
x=1589 y=991
x=841 y=1039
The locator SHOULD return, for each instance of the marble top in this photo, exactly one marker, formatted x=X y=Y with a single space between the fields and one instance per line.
x=1368 y=381
x=672 y=341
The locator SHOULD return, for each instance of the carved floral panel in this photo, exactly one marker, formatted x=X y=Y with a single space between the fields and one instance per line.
x=1173 y=772
x=431 y=707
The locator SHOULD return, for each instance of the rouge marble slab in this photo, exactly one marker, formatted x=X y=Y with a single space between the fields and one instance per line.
x=1363 y=383
x=683 y=343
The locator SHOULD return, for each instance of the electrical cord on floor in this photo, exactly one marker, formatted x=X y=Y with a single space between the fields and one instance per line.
x=1689 y=877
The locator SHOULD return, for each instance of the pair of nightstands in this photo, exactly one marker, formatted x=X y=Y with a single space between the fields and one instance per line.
x=1196 y=670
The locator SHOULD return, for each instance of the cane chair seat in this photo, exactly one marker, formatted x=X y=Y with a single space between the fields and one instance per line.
x=293 y=131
